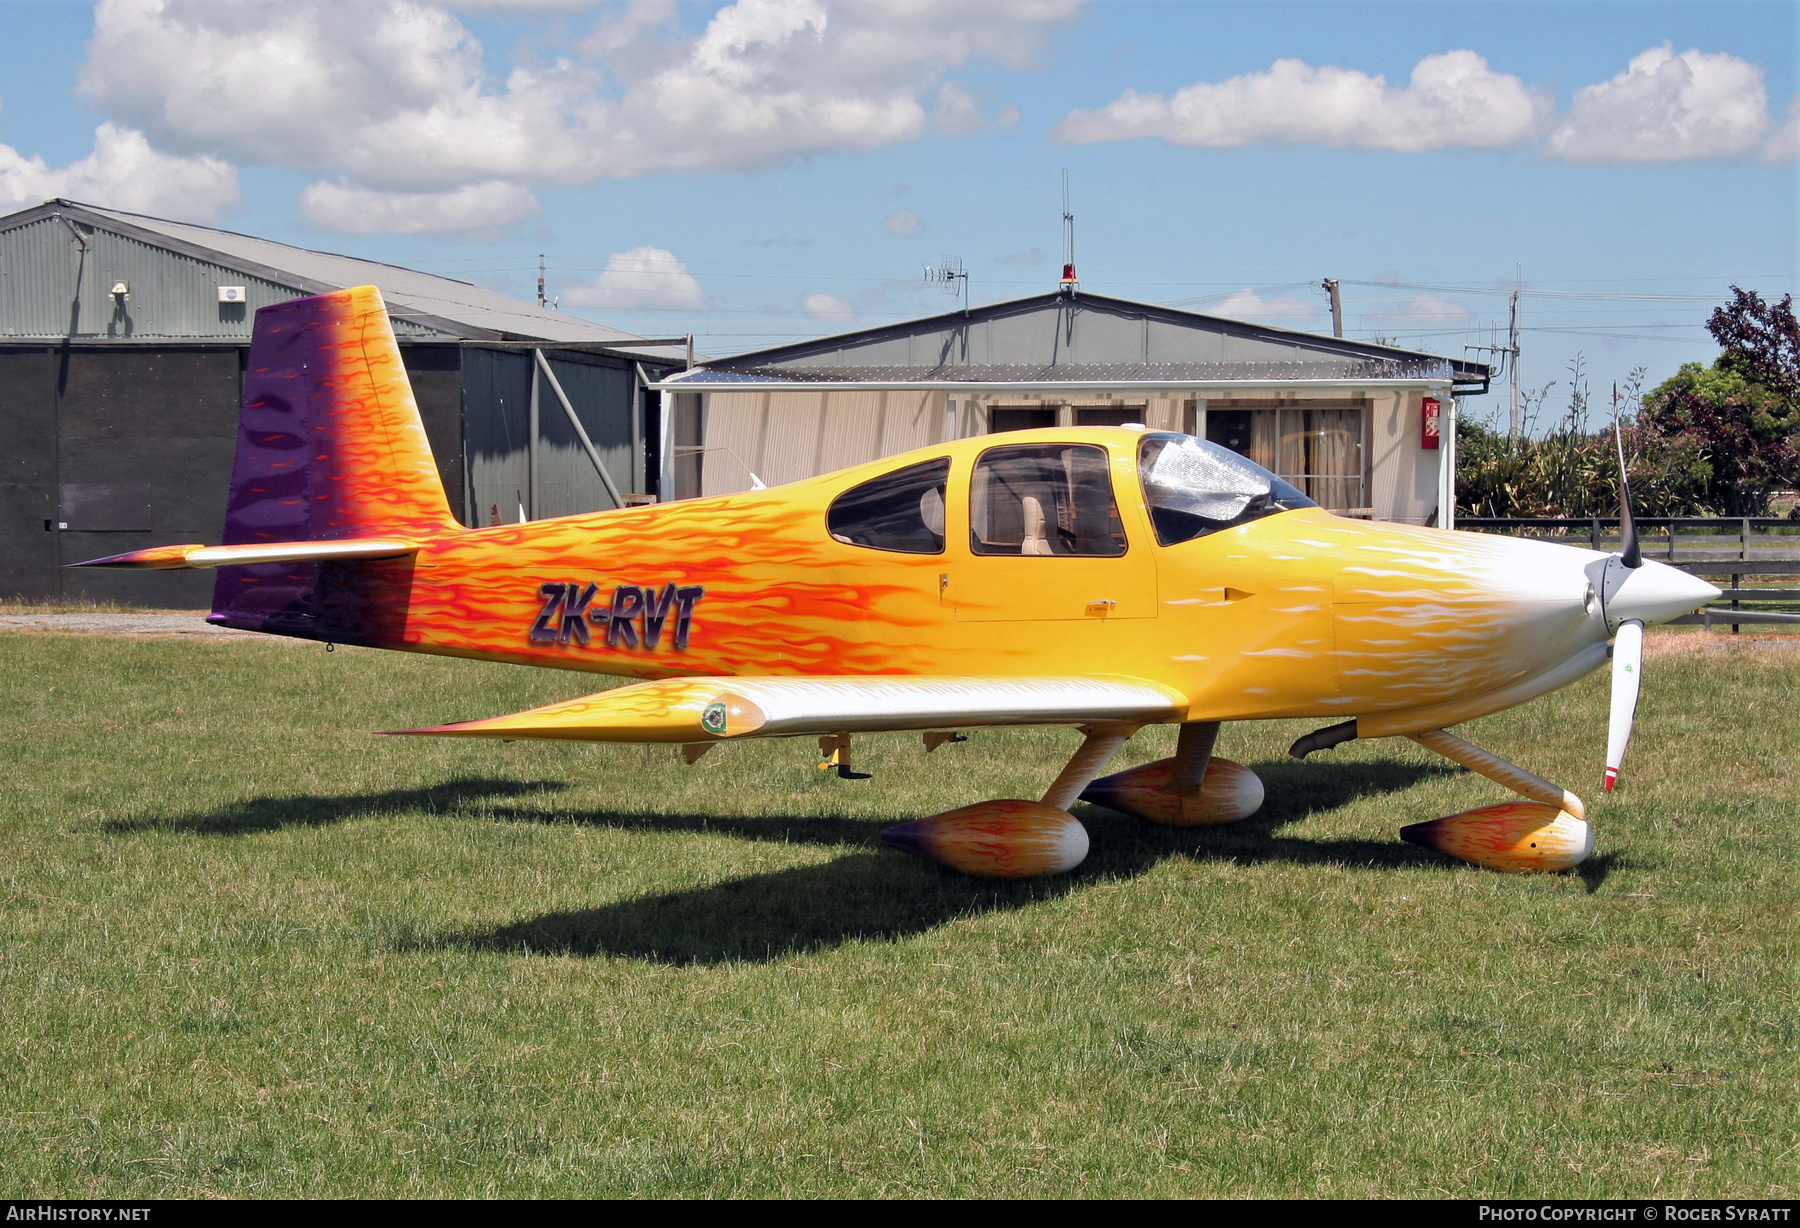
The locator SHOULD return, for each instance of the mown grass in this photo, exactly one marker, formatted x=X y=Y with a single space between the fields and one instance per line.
x=248 y=949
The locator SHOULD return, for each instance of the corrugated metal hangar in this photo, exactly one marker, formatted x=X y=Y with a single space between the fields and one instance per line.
x=1354 y=425
x=122 y=344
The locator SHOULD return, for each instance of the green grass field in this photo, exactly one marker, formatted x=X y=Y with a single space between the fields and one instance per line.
x=248 y=949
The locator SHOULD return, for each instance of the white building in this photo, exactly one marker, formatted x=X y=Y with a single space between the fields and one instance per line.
x=1354 y=425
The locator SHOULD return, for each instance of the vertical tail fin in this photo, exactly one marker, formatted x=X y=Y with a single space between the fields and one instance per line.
x=330 y=446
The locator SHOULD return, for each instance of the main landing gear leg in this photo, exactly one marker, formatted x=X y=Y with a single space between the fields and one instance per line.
x=1547 y=831
x=1017 y=839
x=1195 y=788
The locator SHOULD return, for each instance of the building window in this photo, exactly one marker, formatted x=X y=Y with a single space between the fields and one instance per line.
x=1108 y=415
x=901 y=511
x=1020 y=418
x=1044 y=499
x=1315 y=446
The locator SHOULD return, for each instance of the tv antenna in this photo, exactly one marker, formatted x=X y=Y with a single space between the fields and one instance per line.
x=947 y=272
x=1069 y=282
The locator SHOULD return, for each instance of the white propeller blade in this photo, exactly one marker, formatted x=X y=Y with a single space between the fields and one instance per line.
x=1627 y=673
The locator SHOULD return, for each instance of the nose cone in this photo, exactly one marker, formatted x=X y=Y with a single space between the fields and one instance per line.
x=1652 y=593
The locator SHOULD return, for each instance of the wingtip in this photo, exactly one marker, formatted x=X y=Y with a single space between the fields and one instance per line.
x=153 y=558
x=458 y=727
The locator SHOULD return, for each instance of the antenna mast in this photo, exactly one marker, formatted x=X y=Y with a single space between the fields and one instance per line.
x=947 y=272
x=541 y=300
x=1069 y=282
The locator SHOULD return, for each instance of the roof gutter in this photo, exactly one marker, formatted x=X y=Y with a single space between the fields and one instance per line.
x=701 y=385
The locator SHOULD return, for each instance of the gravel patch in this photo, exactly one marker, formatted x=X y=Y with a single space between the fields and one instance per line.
x=194 y=624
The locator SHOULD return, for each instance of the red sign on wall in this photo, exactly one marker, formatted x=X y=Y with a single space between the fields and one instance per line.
x=1428 y=422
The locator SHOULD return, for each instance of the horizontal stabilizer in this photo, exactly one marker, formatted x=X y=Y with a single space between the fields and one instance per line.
x=706 y=709
x=167 y=558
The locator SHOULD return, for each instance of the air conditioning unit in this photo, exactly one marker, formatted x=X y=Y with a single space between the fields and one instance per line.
x=231 y=294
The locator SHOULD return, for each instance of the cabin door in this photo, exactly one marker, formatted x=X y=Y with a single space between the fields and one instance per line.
x=1046 y=542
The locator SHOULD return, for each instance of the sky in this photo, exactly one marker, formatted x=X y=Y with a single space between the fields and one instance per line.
x=772 y=170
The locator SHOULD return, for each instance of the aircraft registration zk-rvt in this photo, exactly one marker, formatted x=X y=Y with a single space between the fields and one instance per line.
x=1104 y=578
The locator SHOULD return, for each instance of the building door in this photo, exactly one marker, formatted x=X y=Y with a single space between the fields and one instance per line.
x=1046 y=541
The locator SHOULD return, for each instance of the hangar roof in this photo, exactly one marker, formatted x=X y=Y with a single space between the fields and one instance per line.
x=1080 y=340
x=434 y=306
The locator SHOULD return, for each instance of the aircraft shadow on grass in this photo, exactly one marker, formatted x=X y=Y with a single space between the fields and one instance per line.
x=258 y=814
x=867 y=893
x=871 y=893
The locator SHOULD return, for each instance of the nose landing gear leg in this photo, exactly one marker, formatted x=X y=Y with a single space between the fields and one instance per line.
x=1547 y=831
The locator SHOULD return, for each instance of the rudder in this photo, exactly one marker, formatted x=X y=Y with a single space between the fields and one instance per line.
x=330 y=446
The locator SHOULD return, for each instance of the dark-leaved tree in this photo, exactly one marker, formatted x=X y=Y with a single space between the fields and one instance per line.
x=1742 y=412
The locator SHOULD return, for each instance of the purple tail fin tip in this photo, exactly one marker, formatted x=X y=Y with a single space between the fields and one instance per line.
x=330 y=446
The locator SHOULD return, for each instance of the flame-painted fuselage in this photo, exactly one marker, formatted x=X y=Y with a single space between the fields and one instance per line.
x=1298 y=614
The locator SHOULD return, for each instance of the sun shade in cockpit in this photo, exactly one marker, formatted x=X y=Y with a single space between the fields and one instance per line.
x=1194 y=487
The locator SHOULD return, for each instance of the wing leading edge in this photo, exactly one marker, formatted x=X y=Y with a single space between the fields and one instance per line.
x=688 y=710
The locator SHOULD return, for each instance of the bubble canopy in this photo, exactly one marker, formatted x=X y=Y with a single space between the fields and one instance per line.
x=1194 y=487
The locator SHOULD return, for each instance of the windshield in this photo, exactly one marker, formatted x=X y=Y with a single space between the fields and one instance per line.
x=1194 y=487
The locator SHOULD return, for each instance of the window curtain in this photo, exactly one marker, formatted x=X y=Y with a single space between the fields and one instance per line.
x=1320 y=451
x=1264 y=435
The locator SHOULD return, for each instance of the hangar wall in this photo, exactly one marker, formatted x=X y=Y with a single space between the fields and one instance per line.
x=783 y=436
x=131 y=446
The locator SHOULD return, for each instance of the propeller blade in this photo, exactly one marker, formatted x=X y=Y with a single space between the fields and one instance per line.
x=1629 y=554
x=1627 y=673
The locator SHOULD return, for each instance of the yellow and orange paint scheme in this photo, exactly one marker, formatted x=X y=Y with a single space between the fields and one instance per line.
x=742 y=616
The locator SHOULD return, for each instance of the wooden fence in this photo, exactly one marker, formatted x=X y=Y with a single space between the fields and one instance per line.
x=1668 y=539
x=1727 y=552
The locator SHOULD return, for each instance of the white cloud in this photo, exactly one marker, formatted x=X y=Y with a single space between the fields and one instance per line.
x=829 y=307
x=475 y=210
x=959 y=113
x=1785 y=144
x=123 y=172
x=1665 y=108
x=904 y=223
x=1031 y=255
x=1282 y=309
x=1421 y=309
x=513 y=6
x=644 y=278
x=1451 y=99
x=398 y=96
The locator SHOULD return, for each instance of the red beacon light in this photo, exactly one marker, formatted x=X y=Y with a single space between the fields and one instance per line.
x=1068 y=282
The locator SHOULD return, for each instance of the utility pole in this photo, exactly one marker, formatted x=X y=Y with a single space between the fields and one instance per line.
x=1337 y=306
x=1511 y=352
x=542 y=301
x=1512 y=365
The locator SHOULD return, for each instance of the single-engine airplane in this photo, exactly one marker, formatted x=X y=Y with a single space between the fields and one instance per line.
x=1105 y=578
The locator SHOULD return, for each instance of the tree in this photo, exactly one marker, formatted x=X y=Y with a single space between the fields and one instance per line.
x=1742 y=413
x=1569 y=471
